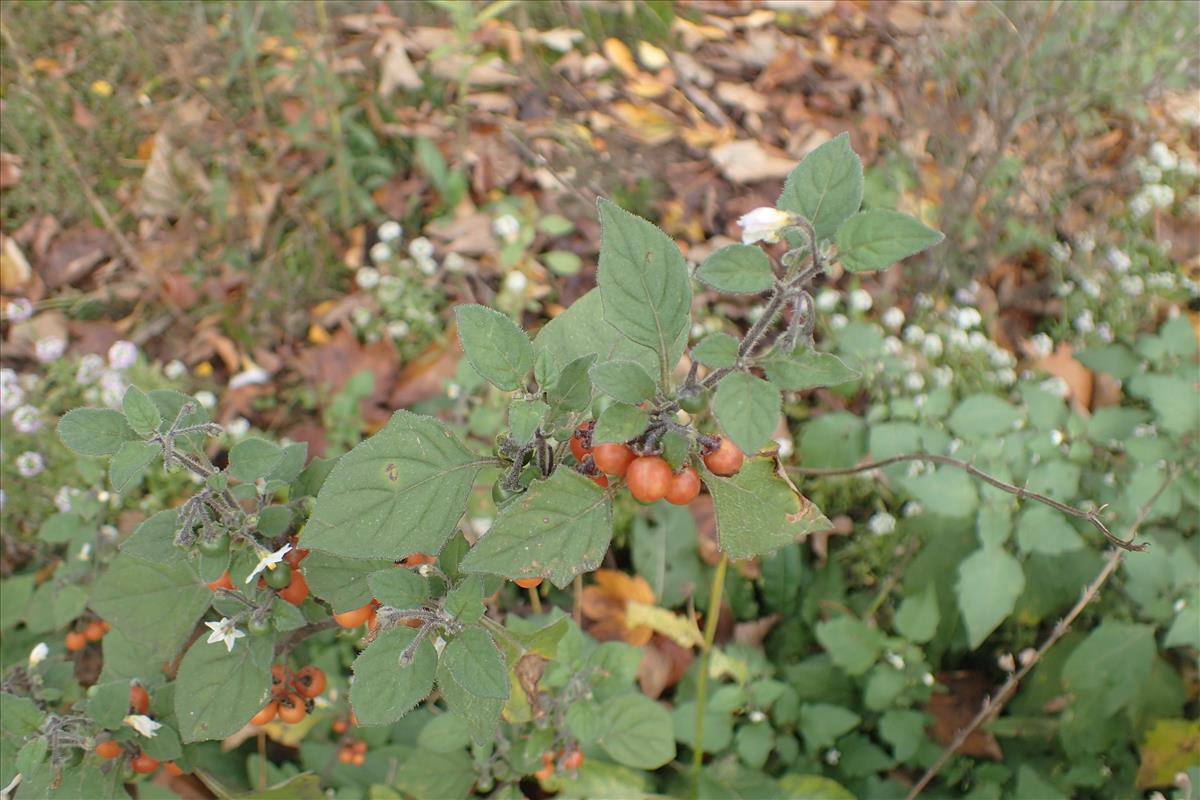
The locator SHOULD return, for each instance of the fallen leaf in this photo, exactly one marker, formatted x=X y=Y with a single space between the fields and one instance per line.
x=10 y=170
x=748 y=161
x=676 y=627
x=953 y=709
x=73 y=255
x=1172 y=746
x=396 y=70
x=1062 y=364
x=619 y=55
x=14 y=268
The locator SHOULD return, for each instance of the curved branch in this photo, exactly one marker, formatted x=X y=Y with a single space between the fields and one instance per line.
x=1092 y=517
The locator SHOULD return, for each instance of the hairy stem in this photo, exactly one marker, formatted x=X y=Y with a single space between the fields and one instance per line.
x=710 y=633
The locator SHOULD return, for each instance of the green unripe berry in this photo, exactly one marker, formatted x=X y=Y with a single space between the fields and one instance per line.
x=280 y=577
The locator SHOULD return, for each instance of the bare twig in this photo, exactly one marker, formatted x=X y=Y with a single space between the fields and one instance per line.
x=992 y=706
x=1022 y=493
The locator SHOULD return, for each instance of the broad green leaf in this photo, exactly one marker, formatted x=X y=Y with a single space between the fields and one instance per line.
x=253 y=458
x=754 y=743
x=130 y=462
x=826 y=187
x=70 y=527
x=1185 y=630
x=400 y=492
x=904 y=730
x=989 y=583
x=480 y=714
x=140 y=412
x=444 y=734
x=291 y=464
x=524 y=418
x=84 y=780
x=812 y=787
x=638 y=732
x=475 y=663
x=876 y=239
x=563 y=262
x=170 y=403
x=619 y=423
x=465 y=601
x=837 y=439
x=217 y=691
x=643 y=281
x=718 y=728
x=1043 y=530
x=558 y=529
x=573 y=390
x=850 y=643
x=445 y=776
x=945 y=491
x=822 y=723
x=808 y=369
x=108 y=703
x=918 y=616
x=1111 y=666
x=94 y=431
x=665 y=554
x=69 y=602
x=982 y=416
x=344 y=583
x=397 y=587
x=545 y=369
x=737 y=269
x=164 y=745
x=747 y=409
x=623 y=380
x=15 y=592
x=383 y=691
x=495 y=346
x=716 y=351
x=758 y=512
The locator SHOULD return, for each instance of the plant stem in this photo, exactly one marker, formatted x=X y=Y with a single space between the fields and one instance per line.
x=710 y=633
x=534 y=600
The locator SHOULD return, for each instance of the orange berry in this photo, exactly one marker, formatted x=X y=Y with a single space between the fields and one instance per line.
x=172 y=769
x=528 y=583
x=578 y=448
x=684 y=487
x=358 y=759
x=340 y=726
x=310 y=681
x=139 y=699
x=296 y=591
x=353 y=619
x=291 y=709
x=613 y=459
x=359 y=746
x=573 y=760
x=345 y=755
x=94 y=632
x=726 y=460
x=649 y=478
x=143 y=764
x=76 y=641
x=108 y=750
x=599 y=480
x=222 y=582
x=268 y=713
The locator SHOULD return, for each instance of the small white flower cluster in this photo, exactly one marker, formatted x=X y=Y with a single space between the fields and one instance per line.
x=882 y=524
x=30 y=464
x=18 y=309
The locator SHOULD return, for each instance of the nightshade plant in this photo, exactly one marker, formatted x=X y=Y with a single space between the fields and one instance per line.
x=271 y=551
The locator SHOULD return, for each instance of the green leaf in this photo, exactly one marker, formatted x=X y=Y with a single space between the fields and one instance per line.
x=918 y=616
x=638 y=732
x=217 y=691
x=643 y=280
x=904 y=730
x=850 y=643
x=60 y=528
x=446 y=776
x=573 y=390
x=164 y=745
x=623 y=380
x=130 y=462
x=397 y=587
x=465 y=601
x=826 y=187
x=812 y=787
x=15 y=592
x=444 y=733
x=747 y=409
x=983 y=416
x=344 y=583
x=400 y=492
x=69 y=602
x=383 y=691
x=837 y=439
x=545 y=369
x=737 y=269
x=475 y=664
x=808 y=369
x=1043 y=530
x=140 y=412
x=495 y=346
x=619 y=423
x=716 y=351
x=989 y=583
x=876 y=239
x=754 y=743
x=562 y=262
x=758 y=512
x=822 y=723
x=481 y=715
x=663 y=544
x=253 y=458
x=524 y=418
x=1111 y=666
x=558 y=529
x=94 y=431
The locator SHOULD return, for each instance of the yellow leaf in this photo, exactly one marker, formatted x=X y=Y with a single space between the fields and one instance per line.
x=652 y=58
x=721 y=665
x=292 y=735
x=102 y=88
x=676 y=627
x=651 y=125
x=317 y=334
x=620 y=57
x=1172 y=746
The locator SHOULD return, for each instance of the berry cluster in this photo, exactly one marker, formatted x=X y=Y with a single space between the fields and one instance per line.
x=93 y=631
x=292 y=694
x=567 y=760
x=141 y=763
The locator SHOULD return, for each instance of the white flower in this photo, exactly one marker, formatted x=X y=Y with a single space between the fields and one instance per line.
x=943 y=375
x=976 y=340
x=1006 y=376
x=892 y=346
x=1061 y=251
x=927 y=679
x=860 y=300
x=206 y=399
x=914 y=382
x=828 y=300
x=49 y=349
x=143 y=725
x=1132 y=285
x=420 y=248
x=515 y=281
x=785 y=446
x=764 y=224
x=91 y=367
x=361 y=316
x=1086 y=243
x=397 y=329
x=112 y=388
x=19 y=309
x=957 y=338
x=1160 y=195
x=426 y=265
x=30 y=464
x=838 y=321
x=507 y=227
x=454 y=262
x=932 y=346
x=175 y=369
x=1161 y=155
x=1179 y=605
x=268 y=560
x=892 y=319
x=1084 y=322
x=967 y=318
x=62 y=498
x=882 y=524
x=895 y=660
x=85 y=552
x=8 y=377
x=389 y=231
x=1119 y=260
x=1041 y=345
x=26 y=419
x=1056 y=386
x=833 y=756
x=255 y=376
x=912 y=508
x=1139 y=206
x=122 y=354
x=1189 y=168
x=38 y=654
x=1104 y=332
x=453 y=391
x=1026 y=656
x=225 y=632
x=1161 y=280
x=914 y=334
x=238 y=428
x=1006 y=662
x=367 y=278
x=757 y=716
x=1090 y=288
x=3 y=499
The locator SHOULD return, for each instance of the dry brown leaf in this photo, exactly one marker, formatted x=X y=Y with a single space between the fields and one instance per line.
x=73 y=256
x=15 y=271
x=396 y=70
x=748 y=161
x=954 y=709
x=1062 y=364
x=754 y=632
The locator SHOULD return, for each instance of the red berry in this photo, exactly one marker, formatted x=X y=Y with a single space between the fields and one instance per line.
x=222 y=582
x=291 y=709
x=108 y=750
x=296 y=591
x=139 y=699
x=310 y=681
x=353 y=619
x=75 y=641
x=684 y=487
x=613 y=459
x=726 y=460
x=528 y=583
x=268 y=713
x=649 y=478
x=583 y=433
x=94 y=631
x=143 y=764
